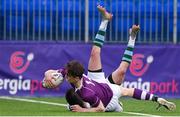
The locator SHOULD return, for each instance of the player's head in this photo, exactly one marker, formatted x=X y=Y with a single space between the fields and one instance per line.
x=74 y=70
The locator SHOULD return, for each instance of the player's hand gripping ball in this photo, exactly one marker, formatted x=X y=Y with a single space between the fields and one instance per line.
x=52 y=79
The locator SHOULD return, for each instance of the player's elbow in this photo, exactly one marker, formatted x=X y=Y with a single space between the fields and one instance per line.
x=100 y=109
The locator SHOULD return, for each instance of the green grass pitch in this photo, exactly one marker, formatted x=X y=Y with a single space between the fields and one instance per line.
x=131 y=108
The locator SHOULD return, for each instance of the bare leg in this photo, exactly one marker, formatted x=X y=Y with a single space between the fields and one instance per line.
x=119 y=74
x=95 y=59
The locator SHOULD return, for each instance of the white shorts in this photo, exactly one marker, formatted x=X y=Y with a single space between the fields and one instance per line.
x=114 y=103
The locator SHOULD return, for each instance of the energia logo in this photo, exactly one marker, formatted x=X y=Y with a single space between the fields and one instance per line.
x=19 y=62
x=138 y=66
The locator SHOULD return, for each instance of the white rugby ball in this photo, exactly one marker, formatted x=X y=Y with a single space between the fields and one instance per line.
x=57 y=79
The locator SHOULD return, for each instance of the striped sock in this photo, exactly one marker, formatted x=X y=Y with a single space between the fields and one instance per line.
x=129 y=50
x=143 y=95
x=99 y=39
x=100 y=36
x=128 y=54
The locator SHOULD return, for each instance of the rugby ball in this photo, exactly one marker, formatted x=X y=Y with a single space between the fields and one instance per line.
x=57 y=79
x=53 y=81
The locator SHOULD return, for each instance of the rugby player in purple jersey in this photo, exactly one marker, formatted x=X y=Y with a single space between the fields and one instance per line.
x=95 y=92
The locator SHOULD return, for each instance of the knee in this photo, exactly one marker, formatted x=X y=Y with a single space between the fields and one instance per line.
x=118 y=75
x=125 y=92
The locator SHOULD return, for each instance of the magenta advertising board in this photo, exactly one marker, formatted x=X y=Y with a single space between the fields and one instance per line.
x=154 y=68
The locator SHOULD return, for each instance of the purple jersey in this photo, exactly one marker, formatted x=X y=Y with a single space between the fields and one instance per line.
x=92 y=92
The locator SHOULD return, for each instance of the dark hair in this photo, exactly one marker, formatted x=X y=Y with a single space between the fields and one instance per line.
x=74 y=69
x=73 y=98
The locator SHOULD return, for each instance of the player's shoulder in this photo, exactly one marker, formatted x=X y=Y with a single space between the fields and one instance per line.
x=86 y=91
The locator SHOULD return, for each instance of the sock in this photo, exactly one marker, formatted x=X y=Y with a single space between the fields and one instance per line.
x=128 y=54
x=129 y=50
x=143 y=95
x=100 y=36
x=131 y=41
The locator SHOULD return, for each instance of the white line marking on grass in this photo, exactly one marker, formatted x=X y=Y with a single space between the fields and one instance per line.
x=33 y=101
x=64 y=105
x=133 y=113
